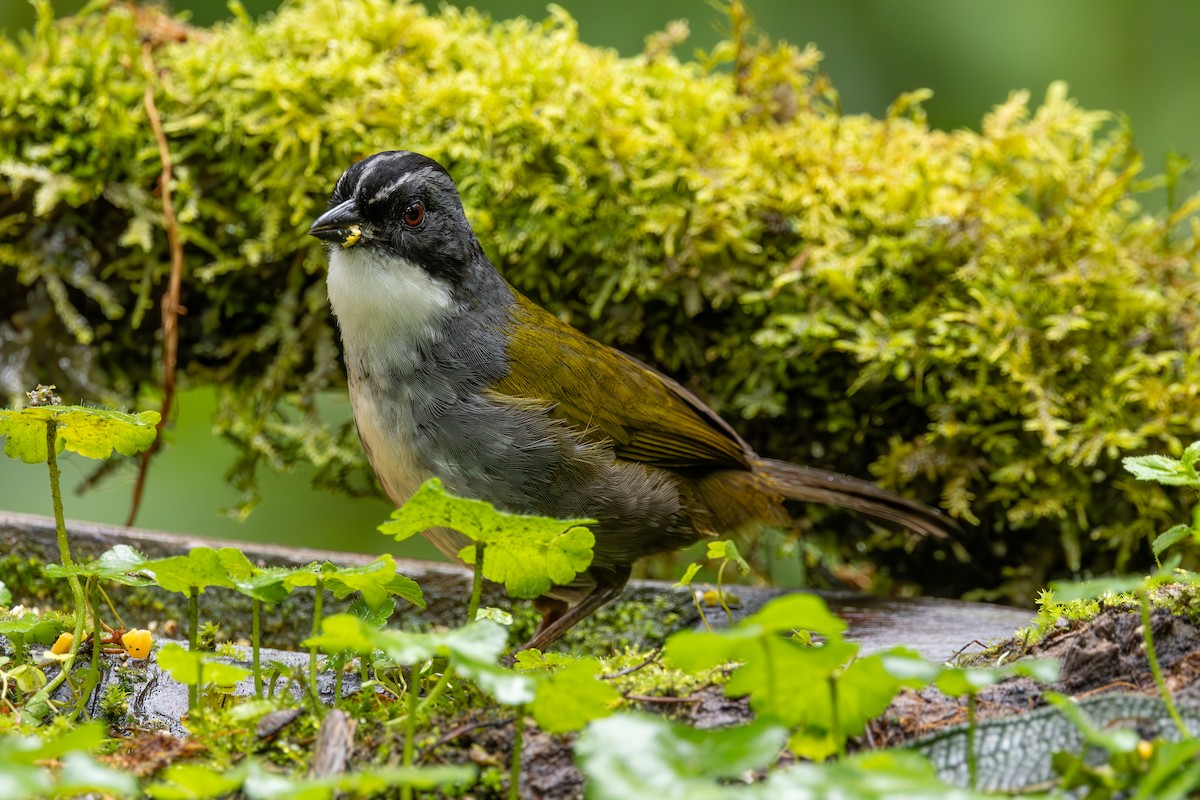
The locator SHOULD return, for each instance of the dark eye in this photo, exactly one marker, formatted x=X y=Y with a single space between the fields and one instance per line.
x=414 y=214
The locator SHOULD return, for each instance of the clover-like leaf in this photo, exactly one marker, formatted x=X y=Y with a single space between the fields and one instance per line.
x=83 y=738
x=263 y=784
x=341 y=632
x=472 y=650
x=23 y=772
x=697 y=650
x=194 y=668
x=201 y=568
x=573 y=696
x=196 y=782
x=724 y=548
x=640 y=757
x=689 y=574
x=376 y=581
x=32 y=627
x=865 y=688
x=268 y=584
x=526 y=553
x=790 y=680
x=119 y=564
x=91 y=432
x=81 y=774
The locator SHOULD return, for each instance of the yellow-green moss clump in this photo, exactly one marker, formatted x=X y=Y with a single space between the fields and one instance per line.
x=985 y=319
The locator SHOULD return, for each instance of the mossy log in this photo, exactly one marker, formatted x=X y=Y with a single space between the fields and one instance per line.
x=646 y=613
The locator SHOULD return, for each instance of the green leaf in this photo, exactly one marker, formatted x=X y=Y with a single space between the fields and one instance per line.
x=958 y=681
x=636 y=756
x=496 y=615
x=33 y=628
x=195 y=668
x=534 y=659
x=6 y=597
x=201 y=568
x=1174 y=770
x=689 y=574
x=267 y=785
x=799 y=611
x=375 y=617
x=1170 y=537
x=786 y=679
x=83 y=738
x=1162 y=469
x=90 y=432
x=573 y=696
x=28 y=678
x=1191 y=454
x=196 y=782
x=527 y=554
x=1114 y=740
x=268 y=584
x=22 y=774
x=698 y=650
x=1066 y=591
x=874 y=775
x=869 y=684
x=237 y=567
x=472 y=650
x=377 y=581
x=81 y=774
x=119 y=564
x=20 y=779
x=341 y=632
x=728 y=550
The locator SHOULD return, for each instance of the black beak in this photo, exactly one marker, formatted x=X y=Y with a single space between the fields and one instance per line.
x=338 y=225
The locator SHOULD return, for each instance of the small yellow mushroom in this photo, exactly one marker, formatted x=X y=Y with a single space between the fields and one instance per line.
x=63 y=643
x=137 y=643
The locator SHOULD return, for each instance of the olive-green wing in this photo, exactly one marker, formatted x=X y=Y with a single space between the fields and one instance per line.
x=612 y=397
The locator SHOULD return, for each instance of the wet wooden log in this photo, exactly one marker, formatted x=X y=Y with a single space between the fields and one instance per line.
x=937 y=628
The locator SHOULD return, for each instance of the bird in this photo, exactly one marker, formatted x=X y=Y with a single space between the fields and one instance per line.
x=452 y=373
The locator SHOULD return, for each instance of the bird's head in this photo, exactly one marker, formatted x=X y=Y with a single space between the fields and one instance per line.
x=400 y=205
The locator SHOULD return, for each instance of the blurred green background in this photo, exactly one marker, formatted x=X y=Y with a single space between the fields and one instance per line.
x=1139 y=60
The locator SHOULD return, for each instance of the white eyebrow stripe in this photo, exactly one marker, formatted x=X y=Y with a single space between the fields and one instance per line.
x=391 y=188
x=366 y=173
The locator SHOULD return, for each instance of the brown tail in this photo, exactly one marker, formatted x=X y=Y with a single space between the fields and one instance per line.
x=811 y=485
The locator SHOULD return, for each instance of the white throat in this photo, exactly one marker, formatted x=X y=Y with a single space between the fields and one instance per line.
x=383 y=304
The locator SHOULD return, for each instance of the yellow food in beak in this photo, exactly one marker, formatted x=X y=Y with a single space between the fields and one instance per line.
x=352 y=237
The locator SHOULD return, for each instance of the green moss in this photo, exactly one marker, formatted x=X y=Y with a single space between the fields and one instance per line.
x=1180 y=598
x=24 y=576
x=986 y=319
x=114 y=703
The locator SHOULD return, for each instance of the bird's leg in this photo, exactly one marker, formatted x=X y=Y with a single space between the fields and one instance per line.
x=558 y=616
x=550 y=608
